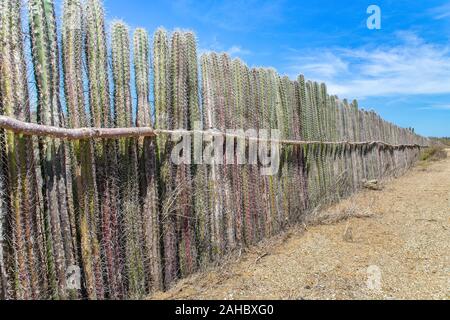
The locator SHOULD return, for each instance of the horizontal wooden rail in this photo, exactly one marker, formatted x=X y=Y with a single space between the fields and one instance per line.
x=32 y=129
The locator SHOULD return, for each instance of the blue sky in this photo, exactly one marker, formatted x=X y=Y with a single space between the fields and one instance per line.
x=402 y=71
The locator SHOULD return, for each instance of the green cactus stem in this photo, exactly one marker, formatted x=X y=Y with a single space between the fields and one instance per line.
x=128 y=166
x=57 y=201
x=85 y=187
x=105 y=151
x=147 y=164
x=163 y=120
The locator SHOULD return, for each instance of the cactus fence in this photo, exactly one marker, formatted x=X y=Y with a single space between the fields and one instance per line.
x=91 y=184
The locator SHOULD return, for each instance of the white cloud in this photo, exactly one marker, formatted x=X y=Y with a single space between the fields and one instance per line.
x=216 y=46
x=436 y=107
x=328 y=66
x=441 y=12
x=238 y=51
x=411 y=67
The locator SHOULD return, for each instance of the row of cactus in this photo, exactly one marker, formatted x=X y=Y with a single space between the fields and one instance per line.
x=246 y=205
x=119 y=209
x=337 y=170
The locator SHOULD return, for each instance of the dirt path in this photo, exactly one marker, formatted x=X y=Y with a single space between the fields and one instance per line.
x=407 y=242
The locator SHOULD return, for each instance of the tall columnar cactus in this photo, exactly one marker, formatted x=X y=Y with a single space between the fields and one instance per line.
x=72 y=54
x=303 y=107
x=212 y=114
x=192 y=78
x=147 y=160
x=253 y=118
x=3 y=181
x=3 y=276
x=226 y=79
x=308 y=134
x=326 y=149
x=128 y=166
x=60 y=250
x=342 y=173
x=3 y=215
x=266 y=218
x=142 y=76
x=353 y=137
x=274 y=185
x=237 y=168
x=284 y=117
x=178 y=66
x=297 y=197
x=345 y=150
x=364 y=136
x=197 y=226
x=320 y=136
x=121 y=74
x=161 y=86
x=204 y=217
x=85 y=187
x=97 y=63
x=248 y=174
x=164 y=120
x=262 y=124
x=105 y=151
x=303 y=99
x=19 y=213
x=181 y=115
x=300 y=151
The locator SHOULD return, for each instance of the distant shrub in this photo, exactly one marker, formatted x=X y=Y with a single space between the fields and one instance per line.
x=434 y=154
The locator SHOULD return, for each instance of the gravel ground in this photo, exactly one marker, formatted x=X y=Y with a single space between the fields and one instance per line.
x=401 y=252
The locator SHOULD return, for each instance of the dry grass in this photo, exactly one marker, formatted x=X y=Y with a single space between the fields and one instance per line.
x=352 y=211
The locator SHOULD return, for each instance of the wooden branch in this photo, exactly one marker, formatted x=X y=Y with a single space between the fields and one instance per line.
x=31 y=129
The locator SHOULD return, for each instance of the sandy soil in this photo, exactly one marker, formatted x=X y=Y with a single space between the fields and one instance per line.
x=401 y=252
